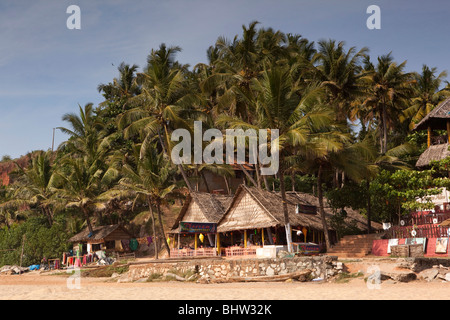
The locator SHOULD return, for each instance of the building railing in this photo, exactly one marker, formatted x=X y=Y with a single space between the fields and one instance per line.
x=423 y=231
x=236 y=251
x=187 y=252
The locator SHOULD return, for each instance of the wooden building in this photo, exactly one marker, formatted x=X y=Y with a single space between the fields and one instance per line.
x=199 y=208
x=437 y=145
x=106 y=238
x=258 y=215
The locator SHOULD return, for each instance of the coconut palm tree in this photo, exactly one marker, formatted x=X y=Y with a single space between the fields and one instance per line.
x=152 y=178
x=123 y=87
x=83 y=171
x=339 y=71
x=164 y=104
x=427 y=94
x=84 y=132
x=388 y=93
x=279 y=107
x=36 y=185
x=9 y=206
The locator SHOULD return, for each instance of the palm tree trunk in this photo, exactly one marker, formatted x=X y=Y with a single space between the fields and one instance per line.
x=166 y=152
x=321 y=208
x=204 y=181
x=48 y=214
x=161 y=226
x=384 y=130
x=369 y=208
x=88 y=219
x=287 y=224
x=248 y=175
x=153 y=227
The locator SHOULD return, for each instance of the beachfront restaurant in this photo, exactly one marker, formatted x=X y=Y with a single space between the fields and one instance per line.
x=253 y=225
x=195 y=229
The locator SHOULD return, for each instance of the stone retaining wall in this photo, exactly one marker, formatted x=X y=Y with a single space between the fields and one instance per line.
x=212 y=269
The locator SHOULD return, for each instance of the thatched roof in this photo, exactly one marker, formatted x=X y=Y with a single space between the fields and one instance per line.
x=272 y=205
x=212 y=206
x=102 y=233
x=433 y=153
x=445 y=223
x=436 y=119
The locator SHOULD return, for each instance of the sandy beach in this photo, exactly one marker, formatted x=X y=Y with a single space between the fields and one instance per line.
x=33 y=286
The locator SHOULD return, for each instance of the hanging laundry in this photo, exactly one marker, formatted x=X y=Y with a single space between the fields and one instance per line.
x=126 y=245
x=142 y=240
x=134 y=244
x=391 y=242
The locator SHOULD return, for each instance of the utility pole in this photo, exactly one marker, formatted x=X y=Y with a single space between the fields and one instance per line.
x=53 y=140
x=21 y=255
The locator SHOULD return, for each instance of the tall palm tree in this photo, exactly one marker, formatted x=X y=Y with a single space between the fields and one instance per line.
x=153 y=179
x=84 y=132
x=279 y=107
x=37 y=184
x=9 y=206
x=427 y=94
x=83 y=171
x=82 y=184
x=164 y=104
x=388 y=94
x=339 y=71
x=122 y=87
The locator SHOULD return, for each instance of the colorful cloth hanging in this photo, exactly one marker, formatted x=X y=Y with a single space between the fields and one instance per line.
x=126 y=245
x=134 y=244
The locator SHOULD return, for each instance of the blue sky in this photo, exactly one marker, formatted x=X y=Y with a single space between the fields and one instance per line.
x=46 y=70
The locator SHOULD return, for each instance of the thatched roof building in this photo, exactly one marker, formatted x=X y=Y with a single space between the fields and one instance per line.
x=433 y=153
x=202 y=207
x=253 y=208
x=437 y=147
x=102 y=234
x=437 y=118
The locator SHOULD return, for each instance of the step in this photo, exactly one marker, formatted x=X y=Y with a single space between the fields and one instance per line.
x=347 y=254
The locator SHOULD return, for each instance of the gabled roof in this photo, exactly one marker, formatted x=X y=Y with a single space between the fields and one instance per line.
x=436 y=119
x=100 y=233
x=272 y=204
x=213 y=206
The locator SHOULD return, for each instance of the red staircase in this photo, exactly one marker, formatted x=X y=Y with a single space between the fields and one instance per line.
x=355 y=246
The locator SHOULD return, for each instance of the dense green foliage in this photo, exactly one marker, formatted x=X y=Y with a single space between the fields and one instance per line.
x=344 y=121
x=38 y=240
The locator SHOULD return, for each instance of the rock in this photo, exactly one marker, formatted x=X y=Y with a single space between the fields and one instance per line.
x=270 y=271
x=429 y=274
x=398 y=276
x=447 y=277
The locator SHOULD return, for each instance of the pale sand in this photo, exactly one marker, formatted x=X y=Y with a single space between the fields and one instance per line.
x=45 y=287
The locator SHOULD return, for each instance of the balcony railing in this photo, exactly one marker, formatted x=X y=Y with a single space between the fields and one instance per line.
x=423 y=231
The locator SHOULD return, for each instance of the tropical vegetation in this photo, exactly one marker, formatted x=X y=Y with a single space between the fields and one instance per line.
x=344 y=133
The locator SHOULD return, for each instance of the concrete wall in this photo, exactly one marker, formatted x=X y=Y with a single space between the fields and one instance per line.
x=211 y=269
x=379 y=248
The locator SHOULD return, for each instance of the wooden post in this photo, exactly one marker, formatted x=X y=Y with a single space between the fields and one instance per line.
x=448 y=131
x=245 y=238
x=262 y=236
x=195 y=242
x=218 y=244
x=429 y=136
